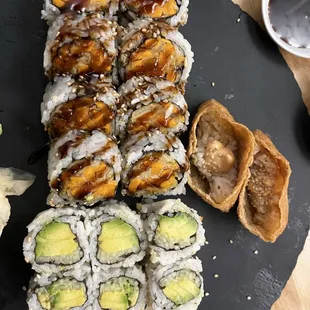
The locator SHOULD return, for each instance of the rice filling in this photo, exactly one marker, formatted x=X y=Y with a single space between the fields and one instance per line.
x=217 y=157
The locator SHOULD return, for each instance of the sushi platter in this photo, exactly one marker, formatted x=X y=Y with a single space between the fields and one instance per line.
x=141 y=191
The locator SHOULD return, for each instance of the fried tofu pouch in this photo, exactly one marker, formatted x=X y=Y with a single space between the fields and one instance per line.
x=220 y=152
x=263 y=204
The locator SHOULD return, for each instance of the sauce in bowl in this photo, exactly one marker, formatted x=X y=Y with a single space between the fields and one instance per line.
x=290 y=20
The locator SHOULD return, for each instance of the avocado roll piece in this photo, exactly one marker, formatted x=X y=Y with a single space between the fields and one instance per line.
x=59 y=293
x=117 y=238
x=80 y=45
x=121 y=289
x=53 y=8
x=84 y=168
x=155 y=49
x=148 y=104
x=57 y=241
x=173 y=12
x=154 y=164
x=178 y=286
x=174 y=231
x=70 y=104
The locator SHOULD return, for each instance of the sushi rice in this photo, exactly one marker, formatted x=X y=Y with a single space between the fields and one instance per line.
x=166 y=248
x=114 y=280
x=134 y=10
x=162 y=276
x=81 y=44
x=136 y=151
x=51 y=11
x=158 y=104
x=113 y=224
x=64 y=90
x=77 y=147
x=57 y=263
x=144 y=37
x=57 y=292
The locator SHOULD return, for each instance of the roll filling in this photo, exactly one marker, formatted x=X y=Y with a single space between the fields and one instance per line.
x=62 y=294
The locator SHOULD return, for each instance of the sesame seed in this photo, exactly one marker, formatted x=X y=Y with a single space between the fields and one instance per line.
x=248 y=297
x=230 y=241
x=213 y=84
x=214 y=257
x=207 y=242
x=238 y=20
x=255 y=252
x=24 y=288
x=215 y=275
x=207 y=294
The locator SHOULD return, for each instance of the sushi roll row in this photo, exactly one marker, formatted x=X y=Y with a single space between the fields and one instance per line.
x=89 y=258
x=86 y=117
x=123 y=288
x=68 y=239
x=173 y=12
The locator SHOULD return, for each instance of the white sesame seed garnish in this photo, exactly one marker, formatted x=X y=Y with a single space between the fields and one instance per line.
x=248 y=297
x=207 y=242
x=238 y=20
x=207 y=294
x=230 y=241
x=215 y=275
x=214 y=257
x=213 y=84
x=255 y=252
x=24 y=288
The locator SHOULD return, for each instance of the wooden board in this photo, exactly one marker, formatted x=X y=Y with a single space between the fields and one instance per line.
x=296 y=293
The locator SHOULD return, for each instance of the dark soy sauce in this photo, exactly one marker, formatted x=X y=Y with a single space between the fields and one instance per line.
x=290 y=19
x=76 y=5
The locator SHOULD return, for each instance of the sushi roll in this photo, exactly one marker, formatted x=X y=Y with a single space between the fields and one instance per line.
x=72 y=104
x=83 y=168
x=178 y=286
x=174 y=231
x=60 y=292
x=81 y=44
x=57 y=241
x=117 y=238
x=53 y=8
x=120 y=288
x=148 y=104
x=173 y=12
x=154 y=164
x=155 y=49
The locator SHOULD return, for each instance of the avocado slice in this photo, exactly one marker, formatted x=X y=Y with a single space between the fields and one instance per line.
x=117 y=236
x=180 y=227
x=181 y=290
x=55 y=239
x=119 y=294
x=62 y=294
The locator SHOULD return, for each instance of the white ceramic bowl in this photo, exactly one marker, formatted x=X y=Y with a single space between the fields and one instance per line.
x=301 y=52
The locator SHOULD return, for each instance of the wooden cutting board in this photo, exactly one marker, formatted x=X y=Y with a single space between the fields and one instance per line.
x=296 y=293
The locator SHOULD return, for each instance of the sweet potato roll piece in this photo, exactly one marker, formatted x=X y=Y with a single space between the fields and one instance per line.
x=263 y=204
x=221 y=152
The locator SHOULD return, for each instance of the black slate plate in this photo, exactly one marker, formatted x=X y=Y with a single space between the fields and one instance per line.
x=251 y=79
